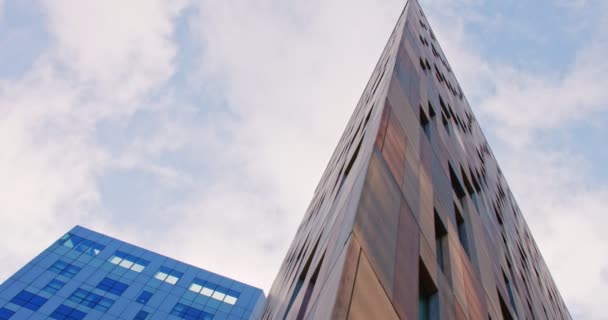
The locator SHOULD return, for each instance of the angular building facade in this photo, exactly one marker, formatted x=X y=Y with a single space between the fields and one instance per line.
x=87 y=275
x=413 y=218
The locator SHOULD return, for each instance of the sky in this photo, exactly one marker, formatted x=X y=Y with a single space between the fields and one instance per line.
x=199 y=129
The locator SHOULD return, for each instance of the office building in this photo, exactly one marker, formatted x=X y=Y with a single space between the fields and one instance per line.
x=413 y=218
x=87 y=275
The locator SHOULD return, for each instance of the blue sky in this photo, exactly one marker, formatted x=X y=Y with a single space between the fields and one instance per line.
x=199 y=129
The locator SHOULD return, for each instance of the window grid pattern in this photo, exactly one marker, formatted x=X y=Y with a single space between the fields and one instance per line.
x=128 y=261
x=65 y=269
x=53 y=286
x=91 y=300
x=214 y=291
x=112 y=286
x=64 y=312
x=77 y=283
x=190 y=313
x=81 y=244
x=29 y=300
x=168 y=275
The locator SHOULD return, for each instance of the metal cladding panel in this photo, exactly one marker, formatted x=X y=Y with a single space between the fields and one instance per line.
x=413 y=217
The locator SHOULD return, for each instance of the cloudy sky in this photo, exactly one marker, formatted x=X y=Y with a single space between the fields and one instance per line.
x=199 y=129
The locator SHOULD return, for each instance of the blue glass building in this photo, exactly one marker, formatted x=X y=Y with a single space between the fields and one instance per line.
x=87 y=275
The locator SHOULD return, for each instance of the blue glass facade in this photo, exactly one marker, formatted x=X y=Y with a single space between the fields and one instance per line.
x=87 y=275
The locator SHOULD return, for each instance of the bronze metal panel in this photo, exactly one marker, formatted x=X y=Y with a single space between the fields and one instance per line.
x=393 y=149
x=370 y=300
x=377 y=220
x=406 y=268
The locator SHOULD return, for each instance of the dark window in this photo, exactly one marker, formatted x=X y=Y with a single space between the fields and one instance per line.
x=53 y=286
x=506 y=314
x=6 y=314
x=112 y=286
x=91 y=300
x=446 y=123
x=440 y=242
x=462 y=231
x=65 y=269
x=428 y=301
x=144 y=297
x=300 y=280
x=141 y=315
x=29 y=300
x=309 y=289
x=64 y=312
x=189 y=313
x=425 y=123
x=509 y=289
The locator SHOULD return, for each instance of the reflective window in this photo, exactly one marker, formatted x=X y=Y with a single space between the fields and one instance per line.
x=6 y=314
x=144 y=297
x=112 y=286
x=64 y=312
x=53 y=286
x=214 y=291
x=185 y=312
x=168 y=275
x=65 y=269
x=81 y=244
x=141 y=315
x=128 y=261
x=29 y=300
x=91 y=300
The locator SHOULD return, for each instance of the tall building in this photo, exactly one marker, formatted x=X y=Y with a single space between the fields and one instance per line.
x=413 y=218
x=87 y=275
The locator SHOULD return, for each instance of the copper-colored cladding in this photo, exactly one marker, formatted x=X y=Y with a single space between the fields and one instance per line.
x=413 y=159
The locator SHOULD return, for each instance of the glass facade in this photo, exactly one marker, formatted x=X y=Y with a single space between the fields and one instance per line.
x=87 y=275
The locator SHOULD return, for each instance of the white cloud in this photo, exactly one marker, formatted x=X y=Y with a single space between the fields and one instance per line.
x=116 y=48
x=291 y=73
x=104 y=58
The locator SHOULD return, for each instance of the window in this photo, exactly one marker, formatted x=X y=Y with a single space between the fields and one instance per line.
x=91 y=300
x=310 y=289
x=440 y=242
x=64 y=312
x=29 y=300
x=509 y=289
x=6 y=314
x=185 y=312
x=53 y=286
x=128 y=261
x=214 y=291
x=506 y=314
x=144 y=297
x=141 y=315
x=65 y=269
x=428 y=301
x=168 y=275
x=81 y=244
x=462 y=231
x=112 y=286
x=425 y=123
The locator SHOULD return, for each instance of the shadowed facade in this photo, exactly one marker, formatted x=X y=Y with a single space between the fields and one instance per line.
x=413 y=218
